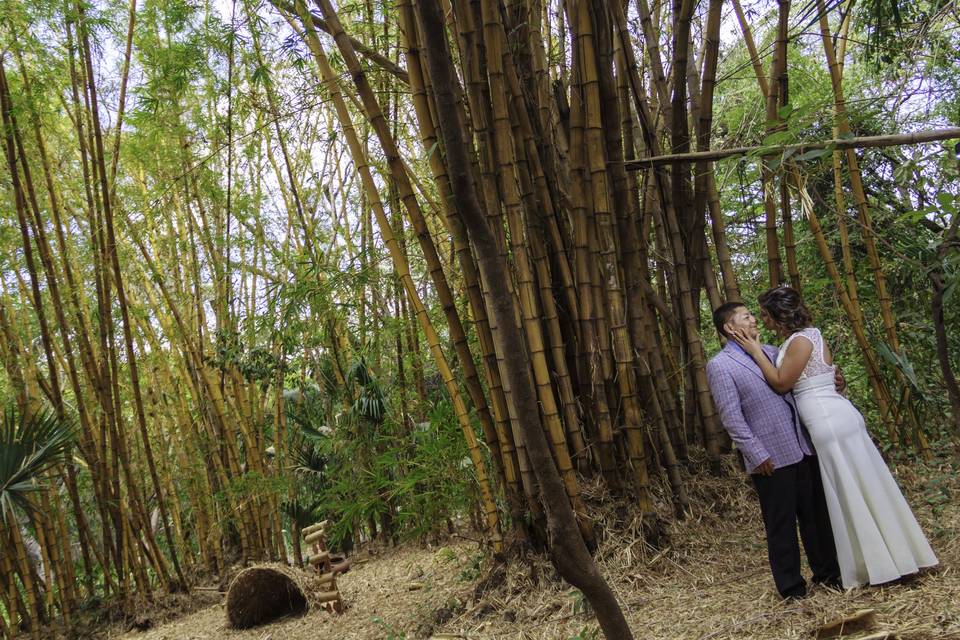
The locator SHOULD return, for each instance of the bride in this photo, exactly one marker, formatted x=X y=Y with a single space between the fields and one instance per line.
x=876 y=535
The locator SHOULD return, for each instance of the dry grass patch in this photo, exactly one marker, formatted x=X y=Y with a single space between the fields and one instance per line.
x=710 y=581
x=402 y=593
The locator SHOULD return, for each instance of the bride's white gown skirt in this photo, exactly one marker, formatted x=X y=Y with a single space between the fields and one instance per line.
x=877 y=537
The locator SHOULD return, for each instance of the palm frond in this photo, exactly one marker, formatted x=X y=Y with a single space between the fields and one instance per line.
x=324 y=373
x=303 y=513
x=360 y=373
x=308 y=460
x=29 y=446
x=371 y=403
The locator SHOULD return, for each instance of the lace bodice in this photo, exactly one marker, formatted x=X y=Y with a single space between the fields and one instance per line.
x=816 y=365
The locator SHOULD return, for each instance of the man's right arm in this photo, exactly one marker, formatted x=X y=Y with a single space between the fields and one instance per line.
x=727 y=399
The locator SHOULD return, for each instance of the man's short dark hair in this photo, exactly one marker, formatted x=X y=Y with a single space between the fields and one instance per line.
x=721 y=315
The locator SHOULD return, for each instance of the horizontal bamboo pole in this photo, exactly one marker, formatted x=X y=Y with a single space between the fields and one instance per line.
x=323 y=556
x=314 y=527
x=315 y=538
x=931 y=135
x=325 y=578
x=327 y=596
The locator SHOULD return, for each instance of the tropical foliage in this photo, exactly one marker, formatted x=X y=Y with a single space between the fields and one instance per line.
x=409 y=267
x=29 y=446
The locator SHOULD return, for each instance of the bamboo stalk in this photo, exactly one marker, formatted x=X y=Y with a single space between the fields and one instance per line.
x=652 y=42
x=29 y=580
x=400 y=174
x=605 y=225
x=856 y=182
x=390 y=239
x=636 y=278
x=841 y=144
x=496 y=434
x=751 y=48
x=369 y=53
x=591 y=369
x=126 y=324
x=881 y=394
x=37 y=226
x=539 y=203
x=706 y=184
x=473 y=51
x=494 y=39
x=570 y=554
x=862 y=341
x=773 y=99
x=694 y=345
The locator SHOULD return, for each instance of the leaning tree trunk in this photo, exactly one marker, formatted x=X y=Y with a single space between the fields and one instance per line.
x=570 y=554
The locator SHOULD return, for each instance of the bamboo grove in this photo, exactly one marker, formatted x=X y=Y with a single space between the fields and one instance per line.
x=212 y=209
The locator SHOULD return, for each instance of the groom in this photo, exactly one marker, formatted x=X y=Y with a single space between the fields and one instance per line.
x=778 y=455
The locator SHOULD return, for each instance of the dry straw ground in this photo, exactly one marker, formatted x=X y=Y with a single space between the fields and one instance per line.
x=709 y=582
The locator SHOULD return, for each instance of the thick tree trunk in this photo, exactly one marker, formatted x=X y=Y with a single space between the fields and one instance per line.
x=570 y=554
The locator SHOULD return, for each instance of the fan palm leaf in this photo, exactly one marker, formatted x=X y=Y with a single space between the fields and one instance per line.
x=309 y=460
x=29 y=445
x=303 y=513
x=359 y=373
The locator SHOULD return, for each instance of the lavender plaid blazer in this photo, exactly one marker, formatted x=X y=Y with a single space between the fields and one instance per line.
x=759 y=420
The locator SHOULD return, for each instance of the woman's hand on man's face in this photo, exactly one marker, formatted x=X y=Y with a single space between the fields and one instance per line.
x=750 y=344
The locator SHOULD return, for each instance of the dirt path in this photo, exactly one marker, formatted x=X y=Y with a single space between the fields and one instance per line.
x=711 y=582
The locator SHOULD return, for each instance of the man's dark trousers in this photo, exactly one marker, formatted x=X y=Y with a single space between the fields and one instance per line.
x=794 y=494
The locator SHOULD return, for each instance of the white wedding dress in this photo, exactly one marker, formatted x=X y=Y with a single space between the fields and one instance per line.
x=876 y=535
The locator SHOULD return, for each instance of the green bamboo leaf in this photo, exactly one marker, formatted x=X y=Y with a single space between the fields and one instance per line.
x=813 y=154
x=776 y=138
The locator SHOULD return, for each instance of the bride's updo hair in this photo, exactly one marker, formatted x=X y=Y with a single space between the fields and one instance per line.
x=785 y=306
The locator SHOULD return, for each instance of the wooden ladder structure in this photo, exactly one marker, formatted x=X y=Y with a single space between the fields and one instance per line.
x=315 y=535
